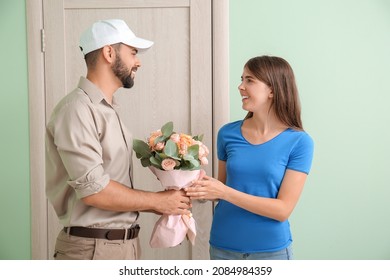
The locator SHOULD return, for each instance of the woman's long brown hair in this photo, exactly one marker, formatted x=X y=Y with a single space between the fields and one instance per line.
x=277 y=73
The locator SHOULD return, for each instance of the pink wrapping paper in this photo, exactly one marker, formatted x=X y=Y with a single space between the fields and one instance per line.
x=170 y=230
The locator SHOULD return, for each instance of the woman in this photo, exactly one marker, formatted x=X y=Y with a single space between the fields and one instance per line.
x=263 y=164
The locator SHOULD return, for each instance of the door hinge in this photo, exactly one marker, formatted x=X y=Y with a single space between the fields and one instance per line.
x=43 y=40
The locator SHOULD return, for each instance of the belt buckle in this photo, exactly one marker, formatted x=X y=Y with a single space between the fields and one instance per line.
x=136 y=229
x=132 y=232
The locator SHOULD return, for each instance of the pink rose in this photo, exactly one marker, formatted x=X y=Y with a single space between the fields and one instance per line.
x=206 y=149
x=175 y=137
x=204 y=161
x=159 y=146
x=202 y=152
x=168 y=164
x=153 y=136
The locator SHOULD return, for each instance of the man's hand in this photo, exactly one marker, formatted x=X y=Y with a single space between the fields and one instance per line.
x=173 y=202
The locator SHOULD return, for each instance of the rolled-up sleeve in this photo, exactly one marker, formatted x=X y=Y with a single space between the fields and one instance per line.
x=77 y=141
x=86 y=146
x=93 y=182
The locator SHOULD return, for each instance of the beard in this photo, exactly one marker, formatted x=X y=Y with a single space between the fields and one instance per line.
x=122 y=72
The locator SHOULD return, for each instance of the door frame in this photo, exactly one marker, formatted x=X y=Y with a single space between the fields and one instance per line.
x=37 y=116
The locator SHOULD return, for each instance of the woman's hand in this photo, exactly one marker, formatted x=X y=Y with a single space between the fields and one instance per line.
x=207 y=188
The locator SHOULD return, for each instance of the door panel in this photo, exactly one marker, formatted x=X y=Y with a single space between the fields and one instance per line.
x=174 y=83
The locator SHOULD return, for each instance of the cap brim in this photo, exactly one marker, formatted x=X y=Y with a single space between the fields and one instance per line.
x=139 y=43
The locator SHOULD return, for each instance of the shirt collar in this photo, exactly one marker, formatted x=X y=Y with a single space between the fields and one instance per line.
x=93 y=92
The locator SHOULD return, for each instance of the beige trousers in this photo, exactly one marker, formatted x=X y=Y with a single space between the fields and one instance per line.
x=70 y=247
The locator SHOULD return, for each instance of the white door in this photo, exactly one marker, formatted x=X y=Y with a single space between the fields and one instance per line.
x=175 y=83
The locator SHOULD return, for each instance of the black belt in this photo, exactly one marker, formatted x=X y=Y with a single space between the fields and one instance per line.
x=110 y=234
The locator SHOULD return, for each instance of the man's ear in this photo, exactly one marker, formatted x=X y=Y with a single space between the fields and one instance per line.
x=108 y=53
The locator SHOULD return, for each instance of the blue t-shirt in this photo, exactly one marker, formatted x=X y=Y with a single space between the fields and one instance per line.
x=257 y=170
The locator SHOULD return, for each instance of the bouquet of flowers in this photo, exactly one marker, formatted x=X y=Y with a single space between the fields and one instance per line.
x=175 y=159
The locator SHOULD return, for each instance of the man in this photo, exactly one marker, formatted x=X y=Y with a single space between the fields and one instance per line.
x=89 y=151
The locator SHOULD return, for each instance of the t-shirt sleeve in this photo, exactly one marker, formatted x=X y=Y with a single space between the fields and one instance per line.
x=301 y=156
x=221 y=149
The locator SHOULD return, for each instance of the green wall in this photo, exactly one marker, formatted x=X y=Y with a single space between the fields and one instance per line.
x=340 y=51
x=14 y=156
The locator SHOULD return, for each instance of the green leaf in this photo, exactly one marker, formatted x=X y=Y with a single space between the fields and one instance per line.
x=195 y=163
x=188 y=157
x=171 y=149
x=155 y=162
x=145 y=162
x=141 y=148
x=159 y=139
x=164 y=156
x=138 y=155
x=161 y=156
x=167 y=129
x=186 y=165
x=190 y=165
x=198 y=137
x=194 y=150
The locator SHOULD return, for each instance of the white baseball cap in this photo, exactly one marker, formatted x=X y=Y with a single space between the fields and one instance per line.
x=108 y=32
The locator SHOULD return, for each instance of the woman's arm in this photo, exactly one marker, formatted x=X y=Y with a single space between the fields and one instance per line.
x=279 y=208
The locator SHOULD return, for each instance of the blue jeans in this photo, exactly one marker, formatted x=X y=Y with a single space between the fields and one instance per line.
x=221 y=254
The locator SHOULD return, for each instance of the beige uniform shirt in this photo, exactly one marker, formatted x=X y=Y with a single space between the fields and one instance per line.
x=86 y=146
